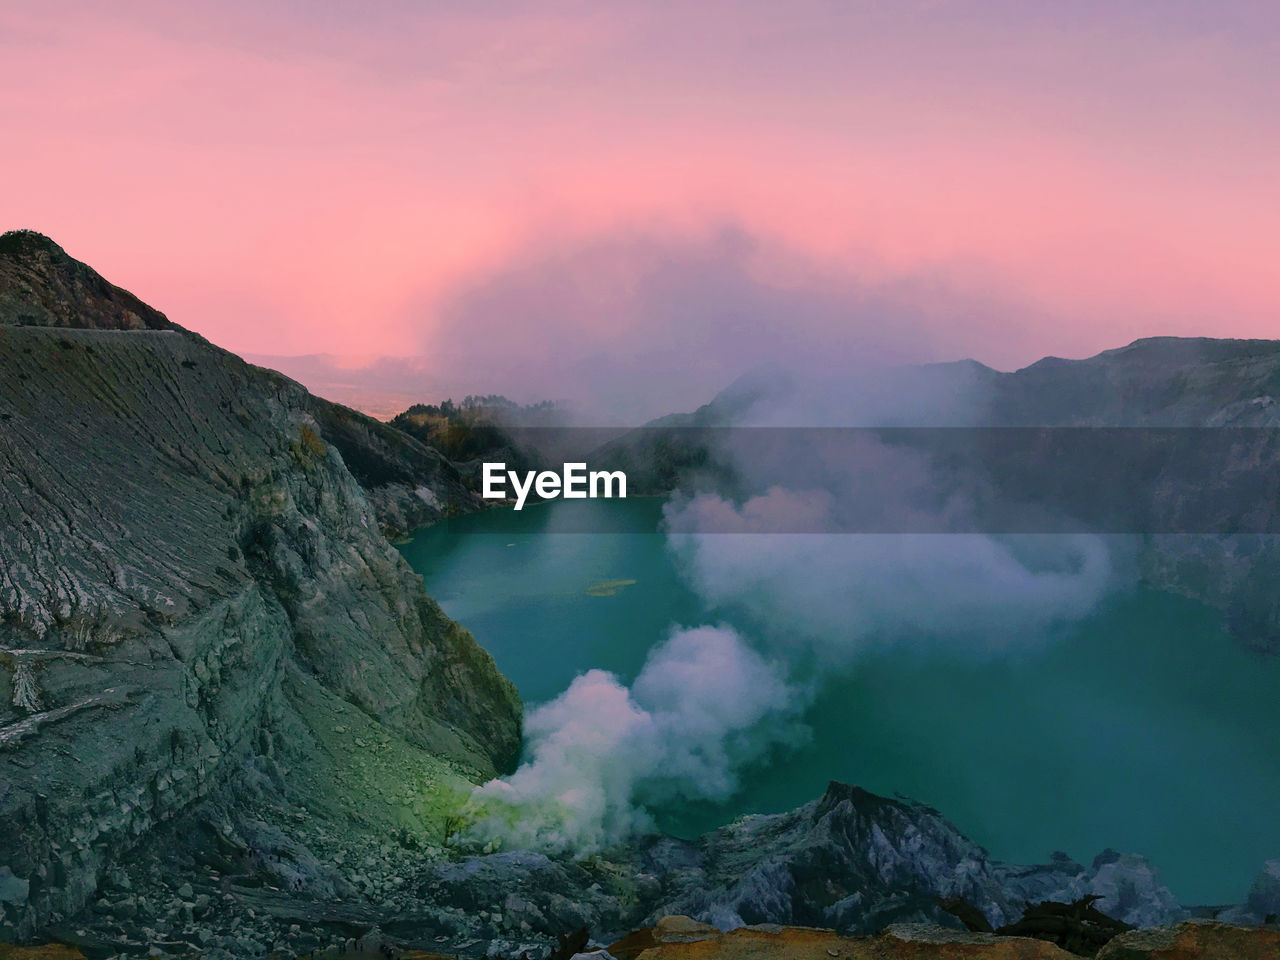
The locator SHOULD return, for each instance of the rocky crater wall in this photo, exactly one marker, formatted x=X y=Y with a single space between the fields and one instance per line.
x=175 y=527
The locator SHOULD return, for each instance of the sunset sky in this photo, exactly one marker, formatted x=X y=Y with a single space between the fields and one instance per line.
x=519 y=191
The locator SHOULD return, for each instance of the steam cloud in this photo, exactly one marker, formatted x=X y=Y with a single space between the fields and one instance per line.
x=599 y=755
x=836 y=595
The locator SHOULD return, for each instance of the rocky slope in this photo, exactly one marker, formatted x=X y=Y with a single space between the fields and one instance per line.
x=409 y=483
x=857 y=862
x=191 y=580
x=850 y=860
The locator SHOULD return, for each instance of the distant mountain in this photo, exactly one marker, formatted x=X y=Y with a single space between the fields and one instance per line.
x=1159 y=381
x=1154 y=382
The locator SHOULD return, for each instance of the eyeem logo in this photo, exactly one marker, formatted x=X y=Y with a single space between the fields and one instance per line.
x=573 y=483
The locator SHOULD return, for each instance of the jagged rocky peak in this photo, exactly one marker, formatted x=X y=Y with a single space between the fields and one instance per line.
x=856 y=861
x=40 y=285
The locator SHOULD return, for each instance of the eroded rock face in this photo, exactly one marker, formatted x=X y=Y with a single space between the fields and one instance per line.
x=176 y=535
x=408 y=483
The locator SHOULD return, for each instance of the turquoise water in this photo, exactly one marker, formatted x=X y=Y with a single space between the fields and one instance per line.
x=1141 y=728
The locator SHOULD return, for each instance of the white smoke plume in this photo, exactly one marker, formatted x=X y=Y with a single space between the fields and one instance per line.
x=838 y=595
x=600 y=755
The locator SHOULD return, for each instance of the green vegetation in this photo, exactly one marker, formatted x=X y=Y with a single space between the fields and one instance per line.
x=363 y=772
x=477 y=429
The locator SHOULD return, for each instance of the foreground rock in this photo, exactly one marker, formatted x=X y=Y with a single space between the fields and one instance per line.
x=901 y=942
x=678 y=938
x=292 y=865
x=682 y=938
x=857 y=862
x=48 y=951
x=1195 y=940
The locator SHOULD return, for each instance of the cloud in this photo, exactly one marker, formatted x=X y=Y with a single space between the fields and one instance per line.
x=640 y=322
x=344 y=171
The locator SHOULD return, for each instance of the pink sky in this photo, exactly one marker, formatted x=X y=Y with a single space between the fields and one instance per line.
x=297 y=178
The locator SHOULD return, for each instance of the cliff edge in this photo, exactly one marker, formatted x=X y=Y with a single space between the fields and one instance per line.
x=193 y=589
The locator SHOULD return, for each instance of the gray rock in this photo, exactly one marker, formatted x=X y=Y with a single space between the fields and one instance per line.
x=13 y=889
x=1129 y=886
x=187 y=563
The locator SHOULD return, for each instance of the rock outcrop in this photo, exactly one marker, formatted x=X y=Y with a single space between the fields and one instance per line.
x=40 y=285
x=282 y=865
x=857 y=862
x=186 y=565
